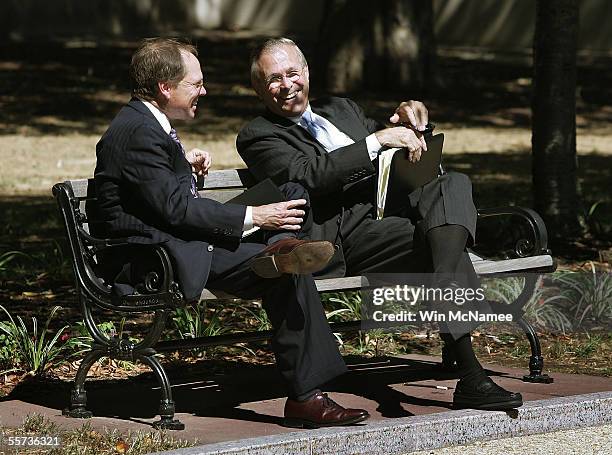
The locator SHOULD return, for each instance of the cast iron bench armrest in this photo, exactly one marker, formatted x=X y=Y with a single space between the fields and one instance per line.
x=156 y=290
x=533 y=220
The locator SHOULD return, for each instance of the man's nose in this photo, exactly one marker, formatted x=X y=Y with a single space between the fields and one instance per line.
x=286 y=81
x=202 y=91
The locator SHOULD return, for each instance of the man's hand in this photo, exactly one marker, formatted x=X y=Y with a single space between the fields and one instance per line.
x=412 y=114
x=402 y=137
x=282 y=216
x=200 y=161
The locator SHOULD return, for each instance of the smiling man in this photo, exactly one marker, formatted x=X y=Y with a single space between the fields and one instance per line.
x=330 y=147
x=146 y=193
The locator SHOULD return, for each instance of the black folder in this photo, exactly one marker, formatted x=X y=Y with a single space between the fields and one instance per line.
x=265 y=192
x=405 y=177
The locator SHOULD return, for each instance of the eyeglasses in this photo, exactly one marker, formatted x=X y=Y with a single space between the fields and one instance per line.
x=196 y=85
x=275 y=80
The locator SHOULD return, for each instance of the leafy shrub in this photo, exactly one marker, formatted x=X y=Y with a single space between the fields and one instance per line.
x=541 y=307
x=34 y=351
x=190 y=322
x=588 y=295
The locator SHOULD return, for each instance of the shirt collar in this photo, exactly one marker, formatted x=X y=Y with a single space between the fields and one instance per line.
x=299 y=117
x=159 y=115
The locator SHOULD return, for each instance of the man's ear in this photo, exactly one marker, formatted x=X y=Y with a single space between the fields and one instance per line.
x=306 y=73
x=164 y=89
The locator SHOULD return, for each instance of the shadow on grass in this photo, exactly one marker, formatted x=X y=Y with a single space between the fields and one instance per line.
x=56 y=88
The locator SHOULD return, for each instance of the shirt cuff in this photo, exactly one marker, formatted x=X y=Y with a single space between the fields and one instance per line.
x=373 y=146
x=248 y=219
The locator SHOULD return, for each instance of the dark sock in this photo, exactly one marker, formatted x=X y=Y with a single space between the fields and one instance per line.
x=469 y=367
x=447 y=245
x=306 y=395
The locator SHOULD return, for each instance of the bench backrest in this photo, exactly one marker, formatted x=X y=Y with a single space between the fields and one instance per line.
x=222 y=185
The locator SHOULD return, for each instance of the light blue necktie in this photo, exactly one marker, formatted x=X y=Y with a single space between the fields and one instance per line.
x=192 y=187
x=319 y=131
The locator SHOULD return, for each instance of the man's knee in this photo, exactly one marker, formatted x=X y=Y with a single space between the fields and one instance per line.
x=459 y=181
x=294 y=190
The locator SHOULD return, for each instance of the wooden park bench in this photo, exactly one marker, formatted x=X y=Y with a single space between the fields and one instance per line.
x=519 y=242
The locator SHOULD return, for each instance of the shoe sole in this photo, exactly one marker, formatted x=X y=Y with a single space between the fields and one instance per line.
x=496 y=406
x=302 y=260
x=300 y=423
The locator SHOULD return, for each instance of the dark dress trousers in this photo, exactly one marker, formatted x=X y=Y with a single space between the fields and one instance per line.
x=143 y=190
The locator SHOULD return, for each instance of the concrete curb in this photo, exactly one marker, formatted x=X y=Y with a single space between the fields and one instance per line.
x=407 y=434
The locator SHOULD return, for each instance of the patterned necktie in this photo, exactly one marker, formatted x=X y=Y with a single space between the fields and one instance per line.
x=319 y=131
x=175 y=138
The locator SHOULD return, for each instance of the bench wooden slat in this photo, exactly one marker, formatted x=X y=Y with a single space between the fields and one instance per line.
x=487 y=267
x=483 y=267
x=80 y=187
x=221 y=195
x=228 y=178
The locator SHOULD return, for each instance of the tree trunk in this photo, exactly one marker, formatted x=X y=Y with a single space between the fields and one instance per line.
x=377 y=45
x=556 y=192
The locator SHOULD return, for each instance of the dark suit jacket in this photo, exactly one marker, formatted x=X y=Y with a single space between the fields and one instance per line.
x=341 y=189
x=143 y=189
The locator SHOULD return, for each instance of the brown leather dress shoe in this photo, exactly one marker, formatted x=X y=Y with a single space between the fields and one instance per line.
x=320 y=411
x=292 y=256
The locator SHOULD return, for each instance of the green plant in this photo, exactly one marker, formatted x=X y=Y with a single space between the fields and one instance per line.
x=346 y=306
x=54 y=262
x=260 y=317
x=37 y=423
x=7 y=356
x=588 y=295
x=7 y=257
x=588 y=347
x=190 y=322
x=541 y=307
x=520 y=350
x=109 y=330
x=35 y=351
x=596 y=224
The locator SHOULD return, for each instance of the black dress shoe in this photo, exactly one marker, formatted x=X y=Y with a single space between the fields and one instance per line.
x=483 y=393
x=320 y=411
x=291 y=255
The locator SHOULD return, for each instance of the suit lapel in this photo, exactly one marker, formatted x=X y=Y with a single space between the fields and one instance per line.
x=295 y=130
x=138 y=105
x=332 y=110
x=342 y=119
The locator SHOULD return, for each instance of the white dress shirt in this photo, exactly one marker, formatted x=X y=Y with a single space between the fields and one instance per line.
x=339 y=138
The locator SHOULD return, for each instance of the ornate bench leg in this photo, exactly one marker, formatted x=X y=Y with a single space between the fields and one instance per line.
x=78 y=396
x=166 y=406
x=536 y=361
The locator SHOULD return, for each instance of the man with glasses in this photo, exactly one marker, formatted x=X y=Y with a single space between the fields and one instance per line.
x=330 y=147
x=146 y=192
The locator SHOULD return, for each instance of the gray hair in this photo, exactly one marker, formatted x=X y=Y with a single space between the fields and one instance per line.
x=270 y=45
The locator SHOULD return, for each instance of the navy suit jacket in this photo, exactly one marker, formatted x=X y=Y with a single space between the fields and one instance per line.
x=143 y=189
